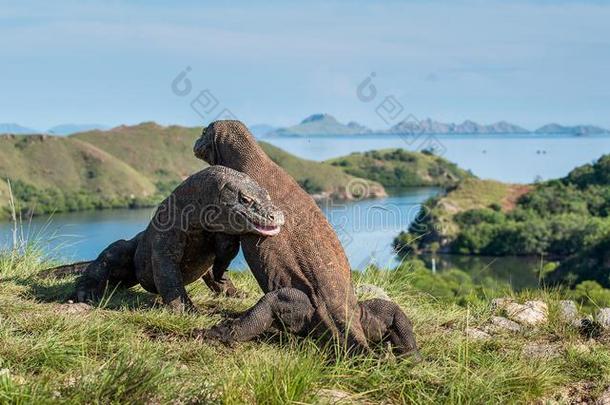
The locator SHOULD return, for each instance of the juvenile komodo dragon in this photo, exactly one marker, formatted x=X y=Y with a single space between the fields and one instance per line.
x=303 y=270
x=196 y=228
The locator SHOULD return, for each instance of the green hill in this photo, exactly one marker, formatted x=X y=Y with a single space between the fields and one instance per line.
x=160 y=153
x=316 y=177
x=164 y=154
x=50 y=173
x=127 y=166
x=395 y=168
x=566 y=220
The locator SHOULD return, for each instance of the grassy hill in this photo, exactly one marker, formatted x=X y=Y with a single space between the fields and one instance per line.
x=565 y=221
x=436 y=226
x=165 y=154
x=159 y=153
x=127 y=166
x=395 y=168
x=48 y=172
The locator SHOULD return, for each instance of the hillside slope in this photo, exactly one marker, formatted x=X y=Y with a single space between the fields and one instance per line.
x=160 y=153
x=128 y=166
x=51 y=173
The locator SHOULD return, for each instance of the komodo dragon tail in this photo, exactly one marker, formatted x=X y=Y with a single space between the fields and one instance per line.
x=64 y=270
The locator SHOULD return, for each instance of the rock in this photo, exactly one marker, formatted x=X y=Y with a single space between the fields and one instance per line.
x=531 y=313
x=332 y=396
x=541 y=350
x=369 y=291
x=568 y=311
x=74 y=308
x=498 y=324
x=603 y=317
x=477 y=334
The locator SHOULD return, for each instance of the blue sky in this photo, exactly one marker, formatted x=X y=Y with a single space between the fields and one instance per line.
x=113 y=62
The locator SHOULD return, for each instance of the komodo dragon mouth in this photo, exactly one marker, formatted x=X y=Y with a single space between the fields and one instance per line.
x=267 y=223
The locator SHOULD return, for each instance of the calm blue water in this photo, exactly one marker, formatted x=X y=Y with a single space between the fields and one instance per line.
x=514 y=158
x=366 y=228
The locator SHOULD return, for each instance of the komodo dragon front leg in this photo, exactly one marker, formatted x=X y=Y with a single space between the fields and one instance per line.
x=285 y=309
x=165 y=259
x=385 y=321
x=226 y=248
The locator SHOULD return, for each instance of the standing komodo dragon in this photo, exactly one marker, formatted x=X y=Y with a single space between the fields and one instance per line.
x=192 y=230
x=303 y=271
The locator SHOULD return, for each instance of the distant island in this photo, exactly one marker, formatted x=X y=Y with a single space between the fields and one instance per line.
x=323 y=124
x=62 y=129
x=429 y=126
x=326 y=124
x=575 y=130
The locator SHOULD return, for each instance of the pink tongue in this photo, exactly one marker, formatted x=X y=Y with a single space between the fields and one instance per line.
x=268 y=230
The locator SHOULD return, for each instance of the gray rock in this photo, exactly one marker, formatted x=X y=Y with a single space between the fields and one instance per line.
x=370 y=291
x=568 y=311
x=531 y=313
x=498 y=324
x=332 y=396
x=74 y=308
x=603 y=317
x=541 y=350
x=477 y=334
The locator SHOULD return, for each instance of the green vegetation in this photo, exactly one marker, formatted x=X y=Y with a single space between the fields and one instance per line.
x=565 y=219
x=127 y=166
x=314 y=177
x=435 y=228
x=130 y=350
x=396 y=168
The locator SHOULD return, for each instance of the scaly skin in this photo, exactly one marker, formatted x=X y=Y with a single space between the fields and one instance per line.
x=197 y=228
x=303 y=270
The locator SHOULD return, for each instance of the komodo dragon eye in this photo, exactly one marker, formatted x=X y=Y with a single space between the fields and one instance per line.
x=245 y=200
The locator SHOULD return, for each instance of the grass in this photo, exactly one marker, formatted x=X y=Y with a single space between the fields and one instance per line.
x=131 y=350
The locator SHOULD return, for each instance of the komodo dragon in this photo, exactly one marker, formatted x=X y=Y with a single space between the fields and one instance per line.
x=303 y=271
x=193 y=229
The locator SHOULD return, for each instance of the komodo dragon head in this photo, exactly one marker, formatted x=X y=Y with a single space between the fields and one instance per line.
x=224 y=139
x=245 y=207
